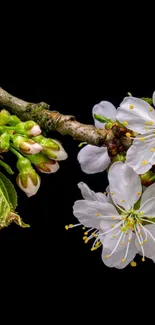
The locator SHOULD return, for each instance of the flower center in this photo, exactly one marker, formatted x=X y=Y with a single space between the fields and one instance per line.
x=131 y=219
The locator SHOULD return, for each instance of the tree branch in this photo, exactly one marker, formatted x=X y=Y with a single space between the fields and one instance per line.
x=53 y=120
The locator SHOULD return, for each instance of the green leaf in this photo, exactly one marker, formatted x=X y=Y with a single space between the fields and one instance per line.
x=102 y=119
x=148 y=100
x=4 y=208
x=3 y=188
x=6 y=167
x=10 y=190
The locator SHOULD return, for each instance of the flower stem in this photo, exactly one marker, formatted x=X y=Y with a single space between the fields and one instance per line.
x=18 y=155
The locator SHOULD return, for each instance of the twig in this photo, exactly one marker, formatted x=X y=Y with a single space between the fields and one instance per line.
x=52 y=120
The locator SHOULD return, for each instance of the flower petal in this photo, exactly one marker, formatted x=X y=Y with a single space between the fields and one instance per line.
x=153 y=98
x=149 y=246
x=93 y=159
x=88 y=194
x=115 y=260
x=106 y=109
x=148 y=208
x=136 y=112
x=141 y=155
x=149 y=192
x=90 y=213
x=109 y=196
x=125 y=185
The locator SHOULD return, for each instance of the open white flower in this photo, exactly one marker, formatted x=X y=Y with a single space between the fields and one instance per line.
x=91 y=158
x=133 y=231
x=83 y=208
x=139 y=116
x=126 y=226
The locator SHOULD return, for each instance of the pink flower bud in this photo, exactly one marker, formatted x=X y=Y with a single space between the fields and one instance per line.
x=29 y=188
x=34 y=131
x=49 y=167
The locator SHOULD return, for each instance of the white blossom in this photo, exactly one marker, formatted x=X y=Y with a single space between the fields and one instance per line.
x=139 y=116
x=125 y=227
x=96 y=159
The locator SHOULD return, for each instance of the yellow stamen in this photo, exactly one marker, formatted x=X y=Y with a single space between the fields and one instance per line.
x=143 y=259
x=150 y=109
x=131 y=106
x=138 y=193
x=151 y=122
x=66 y=227
x=93 y=249
x=141 y=244
x=122 y=243
x=107 y=256
x=144 y=162
x=113 y=217
x=86 y=241
x=152 y=149
x=112 y=226
x=128 y=134
x=133 y=264
x=123 y=218
x=142 y=139
x=114 y=236
x=145 y=240
x=98 y=214
x=83 y=228
x=94 y=235
x=84 y=237
x=123 y=201
x=146 y=128
x=125 y=123
x=129 y=240
x=123 y=260
x=86 y=233
x=105 y=193
x=98 y=244
x=71 y=225
x=112 y=193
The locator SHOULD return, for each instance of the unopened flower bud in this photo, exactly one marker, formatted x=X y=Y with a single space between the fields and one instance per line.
x=4 y=117
x=44 y=164
x=148 y=178
x=4 y=142
x=28 y=180
x=26 y=145
x=29 y=128
x=13 y=120
x=51 y=148
x=118 y=157
x=108 y=126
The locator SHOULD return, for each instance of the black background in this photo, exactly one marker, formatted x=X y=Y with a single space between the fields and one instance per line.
x=71 y=69
x=46 y=244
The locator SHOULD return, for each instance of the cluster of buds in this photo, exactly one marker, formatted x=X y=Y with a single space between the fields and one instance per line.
x=24 y=139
